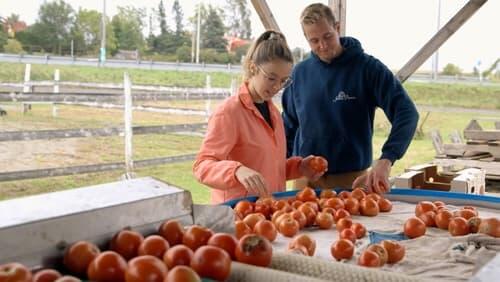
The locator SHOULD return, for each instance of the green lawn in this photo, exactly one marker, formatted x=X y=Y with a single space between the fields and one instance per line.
x=110 y=149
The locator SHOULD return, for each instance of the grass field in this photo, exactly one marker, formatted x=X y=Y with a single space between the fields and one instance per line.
x=110 y=149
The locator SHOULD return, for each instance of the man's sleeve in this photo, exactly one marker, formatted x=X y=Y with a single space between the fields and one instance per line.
x=398 y=107
x=289 y=118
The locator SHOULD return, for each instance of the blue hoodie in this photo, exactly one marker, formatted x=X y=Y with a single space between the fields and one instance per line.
x=330 y=107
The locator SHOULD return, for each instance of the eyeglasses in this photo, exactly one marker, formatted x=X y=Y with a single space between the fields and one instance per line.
x=284 y=83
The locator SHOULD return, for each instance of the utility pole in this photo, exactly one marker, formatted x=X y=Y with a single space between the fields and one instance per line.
x=435 y=59
x=102 y=55
x=198 y=24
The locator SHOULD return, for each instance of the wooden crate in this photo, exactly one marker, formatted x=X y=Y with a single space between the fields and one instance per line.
x=426 y=176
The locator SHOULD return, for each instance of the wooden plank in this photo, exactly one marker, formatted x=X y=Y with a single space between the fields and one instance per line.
x=93 y=132
x=486 y=135
x=339 y=10
x=265 y=15
x=72 y=170
x=439 y=38
x=491 y=168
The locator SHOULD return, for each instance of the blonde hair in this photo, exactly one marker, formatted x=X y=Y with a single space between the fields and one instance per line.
x=315 y=12
x=269 y=46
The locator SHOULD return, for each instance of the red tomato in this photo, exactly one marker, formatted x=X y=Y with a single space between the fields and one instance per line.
x=263 y=209
x=253 y=218
x=324 y=220
x=241 y=229
x=298 y=250
x=79 y=255
x=429 y=218
x=342 y=249
x=458 y=226
x=368 y=207
x=267 y=229
x=327 y=193
x=178 y=255
x=153 y=245
x=381 y=252
x=196 y=236
x=14 y=272
x=254 y=249
x=304 y=240
x=126 y=243
x=395 y=251
x=211 y=262
x=369 y=258
x=474 y=223
x=490 y=226
x=310 y=214
x=465 y=213
x=225 y=241
x=414 y=227
x=288 y=227
x=384 y=205
x=341 y=213
x=359 y=229
x=344 y=223
x=358 y=194
x=318 y=164
x=344 y=194
x=443 y=219
x=348 y=234
x=243 y=208
x=172 y=231
x=145 y=269
x=306 y=194
x=352 y=205
x=182 y=273
x=300 y=217
x=46 y=275
x=108 y=266
x=334 y=203
x=424 y=206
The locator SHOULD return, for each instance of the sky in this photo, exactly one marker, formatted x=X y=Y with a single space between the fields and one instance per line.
x=391 y=30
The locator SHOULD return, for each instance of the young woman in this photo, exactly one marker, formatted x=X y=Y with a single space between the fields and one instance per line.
x=244 y=150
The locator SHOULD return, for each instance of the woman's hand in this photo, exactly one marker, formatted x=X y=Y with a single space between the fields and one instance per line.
x=313 y=167
x=253 y=181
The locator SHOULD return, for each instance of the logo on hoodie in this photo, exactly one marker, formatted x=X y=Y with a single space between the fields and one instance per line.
x=342 y=96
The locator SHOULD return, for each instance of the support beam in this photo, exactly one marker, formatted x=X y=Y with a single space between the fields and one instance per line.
x=439 y=38
x=339 y=10
x=265 y=14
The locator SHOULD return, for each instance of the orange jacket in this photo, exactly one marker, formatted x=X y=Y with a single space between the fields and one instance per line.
x=237 y=134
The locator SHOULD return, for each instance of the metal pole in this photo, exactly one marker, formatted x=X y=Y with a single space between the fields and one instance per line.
x=198 y=34
x=72 y=47
x=435 y=59
x=102 y=57
x=27 y=74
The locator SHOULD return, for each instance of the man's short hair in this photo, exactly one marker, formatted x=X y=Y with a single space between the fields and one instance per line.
x=315 y=12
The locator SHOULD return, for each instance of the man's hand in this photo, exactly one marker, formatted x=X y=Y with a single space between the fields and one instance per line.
x=376 y=179
x=253 y=181
x=309 y=171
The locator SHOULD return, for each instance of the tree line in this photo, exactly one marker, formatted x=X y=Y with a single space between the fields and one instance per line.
x=61 y=30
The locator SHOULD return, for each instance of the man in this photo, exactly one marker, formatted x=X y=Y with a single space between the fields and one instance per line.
x=330 y=107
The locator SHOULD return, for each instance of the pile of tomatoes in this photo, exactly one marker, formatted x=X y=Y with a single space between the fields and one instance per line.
x=458 y=222
x=175 y=253
x=268 y=217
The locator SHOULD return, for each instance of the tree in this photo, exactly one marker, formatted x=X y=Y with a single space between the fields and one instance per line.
x=213 y=30
x=239 y=19
x=54 y=22
x=3 y=39
x=127 y=27
x=86 y=33
x=162 y=18
x=183 y=53
x=178 y=16
x=451 y=69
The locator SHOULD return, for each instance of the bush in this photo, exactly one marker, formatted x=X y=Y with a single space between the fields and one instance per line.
x=183 y=54
x=451 y=69
x=13 y=46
